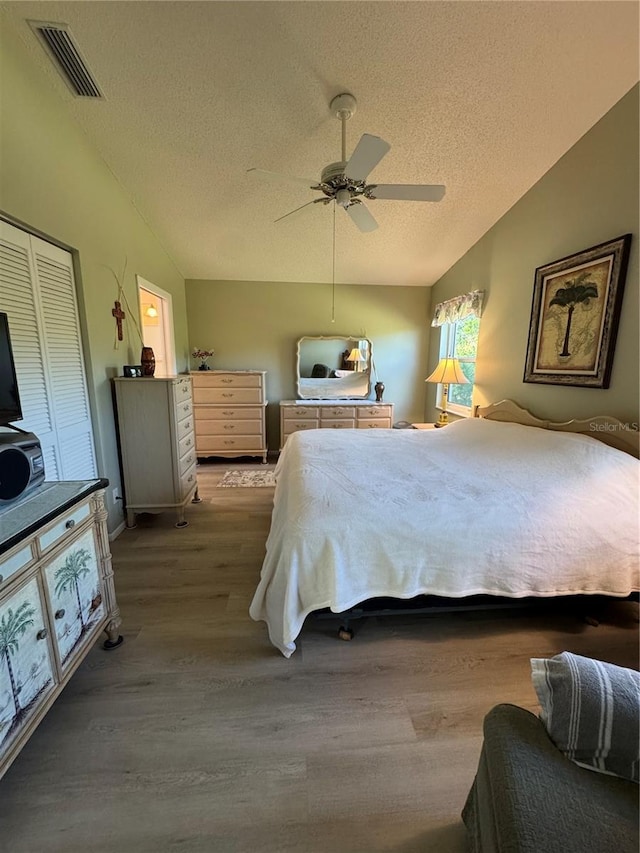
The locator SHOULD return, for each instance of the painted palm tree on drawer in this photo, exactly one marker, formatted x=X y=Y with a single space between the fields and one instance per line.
x=74 y=568
x=13 y=626
x=576 y=292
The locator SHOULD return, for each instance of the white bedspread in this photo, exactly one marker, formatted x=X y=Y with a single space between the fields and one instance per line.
x=477 y=508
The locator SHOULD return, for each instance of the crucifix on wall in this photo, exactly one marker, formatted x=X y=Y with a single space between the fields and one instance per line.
x=119 y=314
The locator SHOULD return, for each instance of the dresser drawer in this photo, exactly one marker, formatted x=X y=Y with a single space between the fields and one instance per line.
x=365 y=412
x=226 y=413
x=237 y=427
x=186 y=443
x=184 y=409
x=214 y=443
x=18 y=560
x=228 y=396
x=185 y=462
x=184 y=428
x=336 y=423
x=331 y=412
x=188 y=481
x=298 y=426
x=298 y=412
x=228 y=380
x=374 y=423
x=182 y=390
x=63 y=527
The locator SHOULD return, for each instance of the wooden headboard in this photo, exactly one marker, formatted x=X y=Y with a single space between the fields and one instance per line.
x=609 y=430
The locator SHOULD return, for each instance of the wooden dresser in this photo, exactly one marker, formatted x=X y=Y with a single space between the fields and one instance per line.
x=229 y=411
x=157 y=444
x=296 y=415
x=56 y=598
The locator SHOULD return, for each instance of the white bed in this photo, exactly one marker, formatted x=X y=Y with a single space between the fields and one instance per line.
x=480 y=508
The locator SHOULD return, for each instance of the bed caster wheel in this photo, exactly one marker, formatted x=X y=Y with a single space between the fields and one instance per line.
x=345 y=633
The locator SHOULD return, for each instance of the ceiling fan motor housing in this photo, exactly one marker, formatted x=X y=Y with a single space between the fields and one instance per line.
x=334 y=183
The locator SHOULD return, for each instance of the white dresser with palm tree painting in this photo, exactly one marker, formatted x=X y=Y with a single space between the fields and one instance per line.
x=56 y=597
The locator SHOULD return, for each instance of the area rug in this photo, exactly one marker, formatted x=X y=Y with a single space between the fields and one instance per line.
x=251 y=479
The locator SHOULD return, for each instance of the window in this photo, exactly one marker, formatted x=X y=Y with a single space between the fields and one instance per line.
x=460 y=340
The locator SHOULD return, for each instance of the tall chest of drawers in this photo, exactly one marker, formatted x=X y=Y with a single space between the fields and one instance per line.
x=229 y=410
x=298 y=415
x=157 y=444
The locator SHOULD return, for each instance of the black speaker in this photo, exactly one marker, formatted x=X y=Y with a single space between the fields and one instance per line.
x=21 y=464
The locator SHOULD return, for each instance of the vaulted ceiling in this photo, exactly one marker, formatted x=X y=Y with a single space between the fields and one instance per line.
x=483 y=97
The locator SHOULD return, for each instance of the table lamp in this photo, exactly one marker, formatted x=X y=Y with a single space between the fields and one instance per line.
x=356 y=357
x=448 y=372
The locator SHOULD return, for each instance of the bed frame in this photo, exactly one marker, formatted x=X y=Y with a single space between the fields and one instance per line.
x=610 y=430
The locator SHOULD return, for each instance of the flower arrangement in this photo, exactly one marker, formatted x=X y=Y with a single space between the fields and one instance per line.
x=204 y=355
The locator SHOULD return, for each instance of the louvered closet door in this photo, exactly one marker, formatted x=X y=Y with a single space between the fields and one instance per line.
x=37 y=290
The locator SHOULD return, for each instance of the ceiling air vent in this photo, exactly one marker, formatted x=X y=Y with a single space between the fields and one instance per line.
x=60 y=45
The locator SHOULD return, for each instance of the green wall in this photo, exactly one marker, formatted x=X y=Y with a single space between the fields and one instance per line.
x=589 y=196
x=256 y=325
x=55 y=183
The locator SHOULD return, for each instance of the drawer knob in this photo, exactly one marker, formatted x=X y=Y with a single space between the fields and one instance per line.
x=188 y=442
x=185 y=389
x=190 y=478
x=229 y=426
x=185 y=408
x=42 y=633
x=227 y=395
x=59 y=613
x=226 y=381
x=228 y=414
x=71 y=523
x=230 y=442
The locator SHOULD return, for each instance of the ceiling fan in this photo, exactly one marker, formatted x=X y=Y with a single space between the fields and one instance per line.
x=345 y=182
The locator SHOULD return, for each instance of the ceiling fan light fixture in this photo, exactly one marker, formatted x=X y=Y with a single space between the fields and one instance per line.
x=343 y=198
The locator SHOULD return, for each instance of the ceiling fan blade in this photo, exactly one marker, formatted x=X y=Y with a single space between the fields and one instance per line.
x=366 y=156
x=296 y=209
x=407 y=192
x=361 y=215
x=276 y=176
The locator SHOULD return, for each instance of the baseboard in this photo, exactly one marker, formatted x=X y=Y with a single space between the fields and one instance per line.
x=117 y=531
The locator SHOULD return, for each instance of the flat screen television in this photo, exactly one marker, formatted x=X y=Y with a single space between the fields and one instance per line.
x=10 y=409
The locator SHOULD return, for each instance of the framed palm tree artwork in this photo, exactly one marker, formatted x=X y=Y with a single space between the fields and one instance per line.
x=574 y=316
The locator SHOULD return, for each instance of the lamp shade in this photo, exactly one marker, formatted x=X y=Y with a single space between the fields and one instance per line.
x=355 y=355
x=448 y=372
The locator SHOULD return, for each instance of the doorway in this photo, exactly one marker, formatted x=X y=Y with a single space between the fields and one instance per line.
x=156 y=320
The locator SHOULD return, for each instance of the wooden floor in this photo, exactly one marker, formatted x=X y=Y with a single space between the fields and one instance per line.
x=197 y=735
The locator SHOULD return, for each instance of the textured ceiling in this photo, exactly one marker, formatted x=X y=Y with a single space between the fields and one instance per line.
x=483 y=97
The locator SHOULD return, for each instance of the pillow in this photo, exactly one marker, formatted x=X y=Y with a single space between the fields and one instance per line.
x=591 y=711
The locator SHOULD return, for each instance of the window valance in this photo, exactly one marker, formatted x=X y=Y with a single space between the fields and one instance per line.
x=458 y=308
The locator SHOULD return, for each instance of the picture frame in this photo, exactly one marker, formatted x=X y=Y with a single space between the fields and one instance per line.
x=575 y=312
x=132 y=371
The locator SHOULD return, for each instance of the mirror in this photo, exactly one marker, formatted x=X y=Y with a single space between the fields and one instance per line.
x=334 y=368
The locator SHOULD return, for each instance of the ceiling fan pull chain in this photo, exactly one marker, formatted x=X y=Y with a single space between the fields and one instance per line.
x=333 y=276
